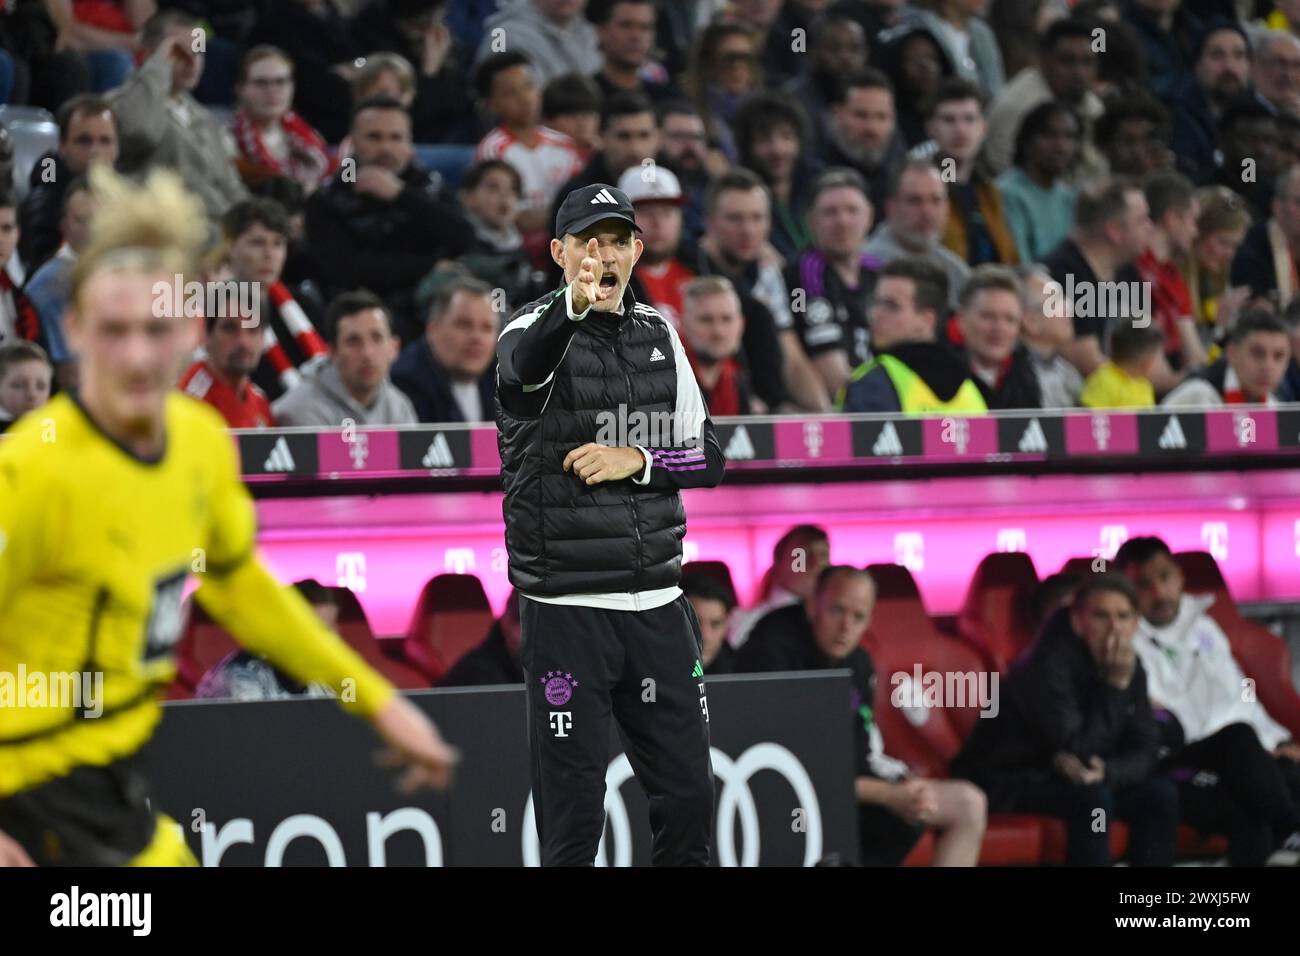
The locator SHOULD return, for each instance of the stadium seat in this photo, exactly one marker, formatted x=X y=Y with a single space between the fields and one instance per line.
x=449 y=160
x=451 y=616
x=355 y=629
x=202 y=646
x=1081 y=567
x=33 y=132
x=995 y=615
x=717 y=570
x=927 y=738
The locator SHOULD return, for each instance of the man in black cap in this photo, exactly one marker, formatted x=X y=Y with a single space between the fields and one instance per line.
x=600 y=424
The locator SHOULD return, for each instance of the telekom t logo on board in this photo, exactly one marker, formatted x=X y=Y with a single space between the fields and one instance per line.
x=1011 y=539
x=1214 y=538
x=909 y=550
x=813 y=438
x=458 y=560
x=350 y=570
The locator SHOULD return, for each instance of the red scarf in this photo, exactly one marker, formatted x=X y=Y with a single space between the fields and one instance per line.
x=309 y=158
x=304 y=335
x=724 y=397
x=27 y=324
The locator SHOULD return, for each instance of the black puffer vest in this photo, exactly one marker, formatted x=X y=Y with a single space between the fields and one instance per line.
x=563 y=536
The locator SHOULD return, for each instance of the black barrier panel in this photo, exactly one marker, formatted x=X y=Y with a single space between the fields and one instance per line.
x=295 y=783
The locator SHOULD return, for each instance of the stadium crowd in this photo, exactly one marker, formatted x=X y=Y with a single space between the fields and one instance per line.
x=939 y=206
x=946 y=205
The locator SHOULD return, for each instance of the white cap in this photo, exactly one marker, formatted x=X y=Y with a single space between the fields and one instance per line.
x=651 y=183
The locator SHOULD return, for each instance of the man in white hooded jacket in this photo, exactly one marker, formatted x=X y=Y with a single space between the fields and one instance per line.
x=1238 y=768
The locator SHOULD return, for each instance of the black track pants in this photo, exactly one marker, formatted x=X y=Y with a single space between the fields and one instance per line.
x=583 y=665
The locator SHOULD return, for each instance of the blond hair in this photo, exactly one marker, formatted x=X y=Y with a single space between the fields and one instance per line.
x=154 y=226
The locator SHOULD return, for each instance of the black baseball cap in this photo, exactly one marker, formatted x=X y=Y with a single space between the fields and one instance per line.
x=589 y=205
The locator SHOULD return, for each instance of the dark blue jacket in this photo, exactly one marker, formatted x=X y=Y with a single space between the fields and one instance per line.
x=426 y=383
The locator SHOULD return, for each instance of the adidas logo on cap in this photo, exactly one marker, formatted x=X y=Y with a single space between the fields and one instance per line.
x=603 y=196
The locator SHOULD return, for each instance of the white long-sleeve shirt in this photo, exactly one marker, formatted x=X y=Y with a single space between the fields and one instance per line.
x=1191 y=672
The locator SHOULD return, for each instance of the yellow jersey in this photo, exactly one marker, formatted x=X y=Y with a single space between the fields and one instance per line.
x=1112 y=387
x=96 y=545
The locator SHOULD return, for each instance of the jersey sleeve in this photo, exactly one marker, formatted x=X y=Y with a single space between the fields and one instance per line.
x=264 y=616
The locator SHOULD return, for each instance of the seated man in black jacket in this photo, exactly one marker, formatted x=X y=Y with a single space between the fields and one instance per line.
x=911 y=372
x=449 y=373
x=383 y=222
x=991 y=309
x=895 y=808
x=1074 y=737
x=496 y=660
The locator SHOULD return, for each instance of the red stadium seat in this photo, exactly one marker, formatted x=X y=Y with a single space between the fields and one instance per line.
x=995 y=615
x=202 y=646
x=1080 y=567
x=451 y=616
x=717 y=570
x=354 y=628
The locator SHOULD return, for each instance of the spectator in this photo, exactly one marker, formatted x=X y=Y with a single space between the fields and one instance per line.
x=18 y=317
x=773 y=21
x=1248 y=152
x=629 y=136
x=1221 y=75
x=87 y=135
x=1123 y=67
x=490 y=193
x=1288 y=140
x=625 y=30
x=571 y=105
x=25 y=374
x=417 y=30
x=967 y=41
x=1276 y=72
x=385 y=74
x=1220 y=229
x=271 y=138
x=712 y=329
x=1125 y=380
x=1066 y=71
x=545 y=158
x=1191 y=672
x=1252 y=369
x=833 y=280
x=387 y=224
x=1047 y=329
x=911 y=372
x=47 y=289
x=737 y=223
x=161 y=124
x=724 y=70
x=771 y=133
x=713 y=606
x=223 y=377
x=1132 y=136
x=243 y=675
x=915 y=215
x=351 y=385
x=450 y=374
x=256 y=234
x=1112 y=227
x=94 y=44
x=977 y=229
x=553 y=34
x=895 y=807
x=989 y=319
x=1266 y=260
x=863 y=133
x=496 y=660
x=318 y=39
x=1168 y=32
x=798 y=558
x=1172 y=202
x=1037 y=199
x=684 y=148
x=657 y=197
x=913 y=59
x=1017 y=24
x=837 y=48
x=1074 y=734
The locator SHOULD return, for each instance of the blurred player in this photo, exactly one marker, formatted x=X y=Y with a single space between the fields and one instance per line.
x=108 y=500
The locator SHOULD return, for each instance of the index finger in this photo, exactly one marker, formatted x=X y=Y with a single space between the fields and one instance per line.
x=593 y=248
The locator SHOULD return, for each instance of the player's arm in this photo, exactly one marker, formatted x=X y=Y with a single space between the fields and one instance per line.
x=277 y=623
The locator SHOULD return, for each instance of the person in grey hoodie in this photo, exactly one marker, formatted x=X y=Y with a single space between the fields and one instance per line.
x=351 y=383
x=553 y=34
